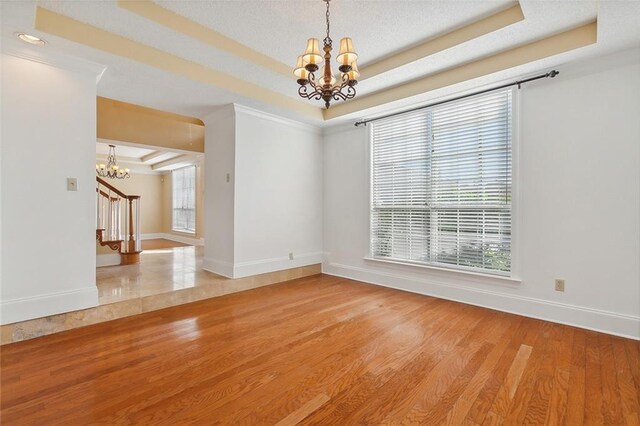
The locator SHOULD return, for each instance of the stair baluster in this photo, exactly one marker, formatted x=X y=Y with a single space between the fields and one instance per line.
x=118 y=222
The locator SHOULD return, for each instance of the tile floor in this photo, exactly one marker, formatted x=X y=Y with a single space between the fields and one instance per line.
x=159 y=271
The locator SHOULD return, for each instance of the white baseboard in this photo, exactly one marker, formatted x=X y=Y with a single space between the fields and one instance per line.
x=111 y=259
x=27 y=308
x=247 y=269
x=154 y=236
x=588 y=318
x=174 y=237
x=218 y=267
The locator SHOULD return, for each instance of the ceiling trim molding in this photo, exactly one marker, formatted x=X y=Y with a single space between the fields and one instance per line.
x=581 y=36
x=176 y=151
x=181 y=159
x=152 y=156
x=80 y=32
x=445 y=41
x=276 y=118
x=178 y=23
x=57 y=60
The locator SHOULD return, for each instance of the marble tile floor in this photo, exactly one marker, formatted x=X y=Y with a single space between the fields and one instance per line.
x=159 y=271
x=164 y=278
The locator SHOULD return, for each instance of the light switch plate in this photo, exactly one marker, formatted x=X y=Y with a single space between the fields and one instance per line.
x=72 y=184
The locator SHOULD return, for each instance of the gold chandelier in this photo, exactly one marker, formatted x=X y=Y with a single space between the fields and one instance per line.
x=326 y=86
x=111 y=169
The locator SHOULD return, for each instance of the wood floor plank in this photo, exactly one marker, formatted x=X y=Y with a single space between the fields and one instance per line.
x=378 y=372
x=233 y=368
x=576 y=394
x=593 y=382
x=482 y=405
x=557 y=406
x=282 y=360
x=463 y=404
x=633 y=356
x=376 y=357
x=611 y=404
x=505 y=395
x=302 y=412
x=627 y=389
x=351 y=367
x=322 y=350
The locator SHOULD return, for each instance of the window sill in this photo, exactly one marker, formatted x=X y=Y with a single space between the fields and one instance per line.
x=502 y=278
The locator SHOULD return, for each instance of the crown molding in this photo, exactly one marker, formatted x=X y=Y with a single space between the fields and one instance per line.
x=276 y=118
x=44 y=55
x=341 y=128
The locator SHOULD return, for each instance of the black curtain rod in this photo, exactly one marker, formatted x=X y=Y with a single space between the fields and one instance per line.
x=518 y=83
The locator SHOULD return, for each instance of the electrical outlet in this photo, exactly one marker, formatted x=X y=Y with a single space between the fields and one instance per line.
x=291 y=256
x=228 y=177
x=559 y=285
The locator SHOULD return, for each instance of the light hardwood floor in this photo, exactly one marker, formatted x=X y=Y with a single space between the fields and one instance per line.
x=322 y=350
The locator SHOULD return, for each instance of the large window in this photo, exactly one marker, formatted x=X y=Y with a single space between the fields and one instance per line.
x=441 y=185
x=184 y=199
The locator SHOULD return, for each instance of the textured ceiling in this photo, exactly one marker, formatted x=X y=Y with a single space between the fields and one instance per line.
x=279 y=29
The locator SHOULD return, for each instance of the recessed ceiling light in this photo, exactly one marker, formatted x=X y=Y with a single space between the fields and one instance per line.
x=31 y=39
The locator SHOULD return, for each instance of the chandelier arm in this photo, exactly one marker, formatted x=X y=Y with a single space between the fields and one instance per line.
x=339 y=96
x=312 y=81
x=315 y=94
x=338 y=89
x=351 y=92
x=302 y=91
x=344 y=84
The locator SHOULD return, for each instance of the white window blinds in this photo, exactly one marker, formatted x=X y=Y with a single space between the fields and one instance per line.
x=441 y=185
x=184 y=199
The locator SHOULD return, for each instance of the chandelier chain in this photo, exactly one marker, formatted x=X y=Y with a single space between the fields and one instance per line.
x=327 y=41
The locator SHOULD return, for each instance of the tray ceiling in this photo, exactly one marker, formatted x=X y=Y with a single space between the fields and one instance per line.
x=278 y=30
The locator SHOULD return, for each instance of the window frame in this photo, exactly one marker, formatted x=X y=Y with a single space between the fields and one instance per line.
x=195 y=202
x=510 y=276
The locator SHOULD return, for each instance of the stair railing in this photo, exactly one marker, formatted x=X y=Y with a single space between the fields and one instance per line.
x=118 y=214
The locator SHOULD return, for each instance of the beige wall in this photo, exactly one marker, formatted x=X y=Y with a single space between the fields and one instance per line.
x=150 y=188
x=155 y=190
x=166 y=203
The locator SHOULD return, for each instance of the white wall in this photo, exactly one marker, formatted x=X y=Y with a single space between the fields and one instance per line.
x=278 y=184
x=272 y=205
x=48 y=233
x=219 y=160
x=578 y=178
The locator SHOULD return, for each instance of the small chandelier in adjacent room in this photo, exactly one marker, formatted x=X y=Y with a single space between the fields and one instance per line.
x=111 y=169
x=326 y=86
